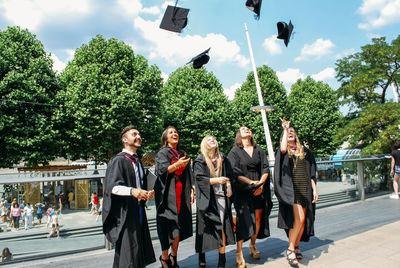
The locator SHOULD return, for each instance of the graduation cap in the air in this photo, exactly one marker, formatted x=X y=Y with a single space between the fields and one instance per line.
x=200 y=59
x=255 y=6
x=175 y=19
x=284 y=31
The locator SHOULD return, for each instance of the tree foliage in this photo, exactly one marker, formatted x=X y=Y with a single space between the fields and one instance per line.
x=27 y=88
x=375 y=130
x=273 y=93
x=314 y=113
x=105 y=88
x=366 y=76
x=193 y=101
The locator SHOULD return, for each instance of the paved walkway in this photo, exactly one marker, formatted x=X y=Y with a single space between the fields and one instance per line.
x=358 y=234
x=375 y=248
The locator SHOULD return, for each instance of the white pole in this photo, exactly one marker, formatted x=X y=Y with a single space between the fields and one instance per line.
x=260 y=100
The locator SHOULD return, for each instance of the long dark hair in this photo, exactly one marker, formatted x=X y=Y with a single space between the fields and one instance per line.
x=164 y=139
x=396 y=145
x=238 y=139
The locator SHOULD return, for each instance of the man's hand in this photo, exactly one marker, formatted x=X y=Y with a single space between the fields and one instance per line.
x=139 y=194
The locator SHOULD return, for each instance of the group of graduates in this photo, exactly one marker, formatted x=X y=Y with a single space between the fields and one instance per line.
x=215 y=181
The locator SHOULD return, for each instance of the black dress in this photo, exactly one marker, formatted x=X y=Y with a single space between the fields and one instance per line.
x=208 y=223
x=170 y=223
x=121 y=218
x=285 y=192
x=244 y=200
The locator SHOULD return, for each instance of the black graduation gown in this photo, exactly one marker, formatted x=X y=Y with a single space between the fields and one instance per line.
x=244 y=206
x=120 y=216
x=208 y=223
x=283 y=187
x=169 y=223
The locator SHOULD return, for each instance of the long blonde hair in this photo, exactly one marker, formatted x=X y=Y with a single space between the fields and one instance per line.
x=299 y=147
x=205 y=151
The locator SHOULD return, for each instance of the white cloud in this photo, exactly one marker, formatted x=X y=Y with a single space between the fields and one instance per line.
x=58 y=65
x=319 y=48
x=154 y=10
x=135 y=7
x=177 y=49
x=345 y=53
x=164 y=77
x=324 y=75
x=33 y=13
x=230 y=92
x=289 y=77
x=272 y=46
x=378 y=13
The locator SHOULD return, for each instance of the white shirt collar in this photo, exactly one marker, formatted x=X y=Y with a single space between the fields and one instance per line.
x=127 y=151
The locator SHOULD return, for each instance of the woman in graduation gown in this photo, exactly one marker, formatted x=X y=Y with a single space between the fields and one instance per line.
x=214 y=226
x=252 y=195
x=296 y=190
x=174 y=193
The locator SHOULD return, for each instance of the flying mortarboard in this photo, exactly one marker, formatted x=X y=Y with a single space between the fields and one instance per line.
x=284 y=31
x=200 y=59
x=255 y=6
x=175 y=19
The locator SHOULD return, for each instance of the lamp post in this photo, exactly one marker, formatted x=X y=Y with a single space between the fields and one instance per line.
x=263 y=109
x=261 y=102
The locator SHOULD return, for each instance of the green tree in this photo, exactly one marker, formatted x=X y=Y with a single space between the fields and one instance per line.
x=273 y=93
x=104 y=88
x=27 y=89
x=193 y=101
x=375 y=129
x=314 y=113
x=366 y=76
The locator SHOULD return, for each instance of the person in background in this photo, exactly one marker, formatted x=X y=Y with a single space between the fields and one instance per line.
x=395 y=169
x=49 y=213
x=60 y=202
x=95 y=203
x=15 y=214
x=55 y=226
x=28 y=213
x=70 y=199
x=6 y=255
x=92 y=204
x=39 y=212
x=100 y=209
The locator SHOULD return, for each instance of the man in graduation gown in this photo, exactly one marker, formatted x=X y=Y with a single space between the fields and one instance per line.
x=124 y=216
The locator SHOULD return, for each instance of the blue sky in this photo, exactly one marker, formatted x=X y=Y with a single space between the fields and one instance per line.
x=324 y=30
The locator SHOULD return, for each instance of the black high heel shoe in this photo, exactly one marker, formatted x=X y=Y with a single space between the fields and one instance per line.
x=221 y=260
x=202 y=260
x=167 y=262
x=291 y=260
x=299 y=256
x=175 y=263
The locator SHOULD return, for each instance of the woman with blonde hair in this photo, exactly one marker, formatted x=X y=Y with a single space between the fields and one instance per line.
x=252 y=195
x=214 y=225
x=296 y=190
